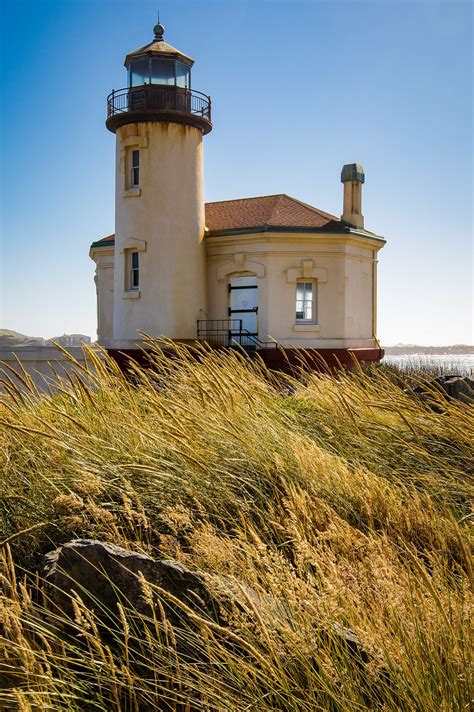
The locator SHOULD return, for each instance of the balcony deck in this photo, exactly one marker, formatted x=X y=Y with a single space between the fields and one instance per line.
x=157 y=102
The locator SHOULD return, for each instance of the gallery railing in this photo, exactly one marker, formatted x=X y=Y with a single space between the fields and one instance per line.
x=158 y=97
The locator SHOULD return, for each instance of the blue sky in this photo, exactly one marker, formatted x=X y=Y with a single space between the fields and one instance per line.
x=298 y=87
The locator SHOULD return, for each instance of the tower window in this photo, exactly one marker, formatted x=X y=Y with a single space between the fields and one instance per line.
x=139 y=72
x=163 y=71
x=132 y=270
x=135 y=168
x=183 y=75
x=305 y=302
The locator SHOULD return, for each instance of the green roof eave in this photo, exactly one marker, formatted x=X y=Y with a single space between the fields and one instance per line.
x=102 y=243
x=360 y=232
x=333 y=230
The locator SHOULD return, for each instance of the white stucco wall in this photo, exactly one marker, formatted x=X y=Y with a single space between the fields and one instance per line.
x=104 y=281
x=358 y=298
x=342 y=268
x=164 y=219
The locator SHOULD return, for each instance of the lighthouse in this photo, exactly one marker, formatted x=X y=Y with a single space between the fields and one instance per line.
x=159 y=122
x=268 y=274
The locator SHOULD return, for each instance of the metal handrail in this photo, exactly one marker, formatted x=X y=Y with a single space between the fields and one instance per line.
x=258 y=343
x=153 y=97
x=225 y=332
x=205 y=326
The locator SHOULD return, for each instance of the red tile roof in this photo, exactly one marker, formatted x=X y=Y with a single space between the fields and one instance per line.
x=109 y=238
x=266 y=211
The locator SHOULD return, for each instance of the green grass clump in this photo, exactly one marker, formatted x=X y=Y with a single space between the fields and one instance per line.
x=346 y=499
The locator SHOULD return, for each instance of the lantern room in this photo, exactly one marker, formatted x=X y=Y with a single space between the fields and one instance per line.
x=159 y=63
x=158 y=89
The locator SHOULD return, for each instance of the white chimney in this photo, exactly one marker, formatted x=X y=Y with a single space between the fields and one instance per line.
x=353 y=176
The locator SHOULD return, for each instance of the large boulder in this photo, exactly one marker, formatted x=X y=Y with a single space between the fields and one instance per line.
x=103 y=574
x=459 y=388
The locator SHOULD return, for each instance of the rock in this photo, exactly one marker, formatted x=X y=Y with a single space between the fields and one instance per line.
x=102 y=574
x=459 y=388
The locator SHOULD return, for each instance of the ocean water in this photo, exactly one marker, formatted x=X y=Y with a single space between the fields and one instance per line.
x=437 y=363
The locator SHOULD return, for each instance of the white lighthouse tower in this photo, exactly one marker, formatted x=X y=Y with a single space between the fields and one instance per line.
x=159 y=282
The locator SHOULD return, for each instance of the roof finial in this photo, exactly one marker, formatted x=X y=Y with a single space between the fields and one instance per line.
x=159 y=30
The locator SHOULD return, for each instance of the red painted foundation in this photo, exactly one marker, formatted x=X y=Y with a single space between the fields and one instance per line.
x=291 y=361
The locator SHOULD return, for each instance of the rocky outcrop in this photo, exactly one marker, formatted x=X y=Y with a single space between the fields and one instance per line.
x=459 y=388
x=103 y=574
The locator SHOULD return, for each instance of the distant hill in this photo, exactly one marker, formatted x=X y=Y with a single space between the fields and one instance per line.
x=10 y=339
x=409 y=349
x=69 y=340
x=13 y=339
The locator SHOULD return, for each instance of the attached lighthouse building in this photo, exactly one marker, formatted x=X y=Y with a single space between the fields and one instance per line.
x=250 y=272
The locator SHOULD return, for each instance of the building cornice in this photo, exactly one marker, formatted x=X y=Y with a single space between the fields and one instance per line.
x=216 y=256
x=354 y=239
x=102 y=249
x=344 y=230
x=273 y=235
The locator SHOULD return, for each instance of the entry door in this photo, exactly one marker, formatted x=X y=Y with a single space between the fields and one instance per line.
x=243 y=292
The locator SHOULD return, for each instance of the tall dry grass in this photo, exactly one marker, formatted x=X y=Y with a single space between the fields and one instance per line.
x=345 y=499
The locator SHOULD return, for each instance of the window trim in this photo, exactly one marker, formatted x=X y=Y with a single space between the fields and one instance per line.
x=132 y=185
x=134 y=270
x=314 y=302
x=131 y=271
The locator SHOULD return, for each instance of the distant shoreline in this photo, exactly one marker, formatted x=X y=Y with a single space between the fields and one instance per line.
x=12 y=341
x=413 y=349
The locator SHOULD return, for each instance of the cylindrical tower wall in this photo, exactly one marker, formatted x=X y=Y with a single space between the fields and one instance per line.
x=163 y=219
